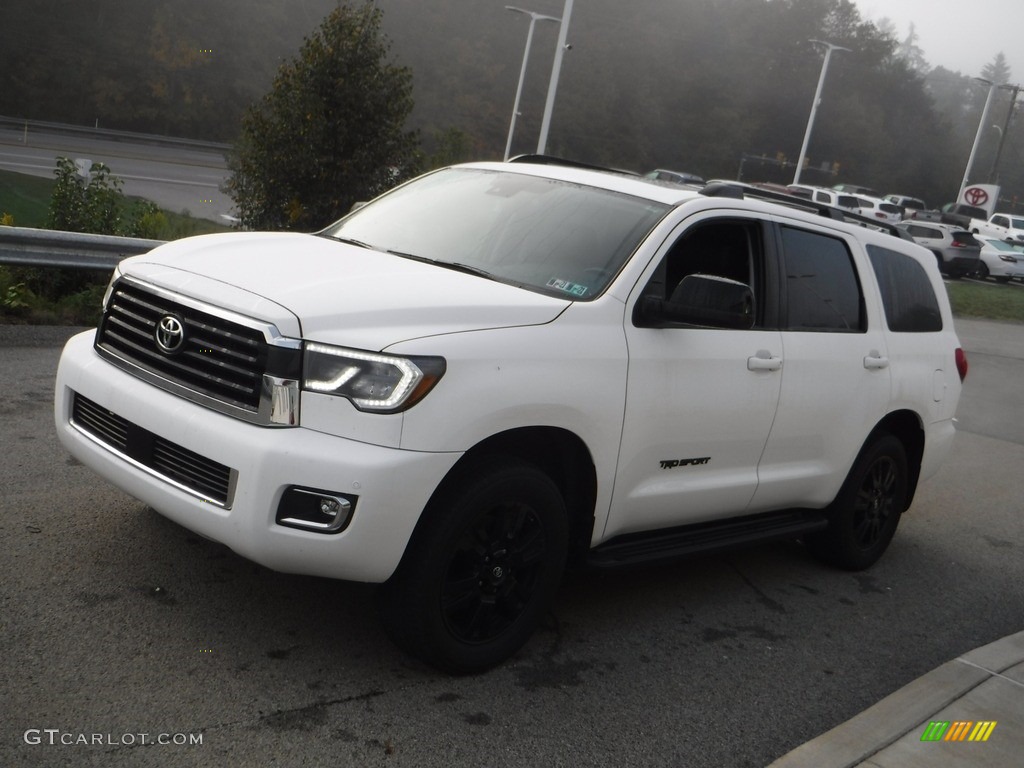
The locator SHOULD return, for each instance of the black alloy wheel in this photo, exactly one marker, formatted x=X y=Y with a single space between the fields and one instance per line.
x=493 y=573
x=874 y=505
x=481 y=569
x=864 y=516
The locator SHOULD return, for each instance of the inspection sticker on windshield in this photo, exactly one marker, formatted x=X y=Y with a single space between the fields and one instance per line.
x=568 y=286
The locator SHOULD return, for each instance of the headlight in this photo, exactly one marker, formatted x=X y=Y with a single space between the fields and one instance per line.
x=372 y=381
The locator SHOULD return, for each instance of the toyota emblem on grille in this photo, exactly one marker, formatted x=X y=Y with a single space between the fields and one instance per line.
x=170 y=334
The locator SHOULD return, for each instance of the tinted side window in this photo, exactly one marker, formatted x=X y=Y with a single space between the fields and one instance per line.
x=726 y=248
x=916 y=230
x=907 y=295
x=822 y=292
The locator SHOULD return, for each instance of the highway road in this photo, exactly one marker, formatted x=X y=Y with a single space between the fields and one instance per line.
x=175 y=178
x=115 y=623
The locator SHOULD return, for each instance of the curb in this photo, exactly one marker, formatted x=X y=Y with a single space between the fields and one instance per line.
x=907 y=710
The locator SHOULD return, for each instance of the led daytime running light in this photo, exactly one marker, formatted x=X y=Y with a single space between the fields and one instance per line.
x=410 y=376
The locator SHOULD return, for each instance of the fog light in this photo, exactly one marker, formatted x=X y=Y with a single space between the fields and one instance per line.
x=315 y=510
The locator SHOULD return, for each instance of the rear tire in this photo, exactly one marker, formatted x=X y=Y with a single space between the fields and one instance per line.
x=982 y=272
x=864 y=516
x=481 y=570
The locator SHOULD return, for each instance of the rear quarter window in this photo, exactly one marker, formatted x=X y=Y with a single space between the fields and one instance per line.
x=907 y=294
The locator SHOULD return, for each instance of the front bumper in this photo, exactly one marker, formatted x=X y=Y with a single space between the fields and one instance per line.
x=392 y=486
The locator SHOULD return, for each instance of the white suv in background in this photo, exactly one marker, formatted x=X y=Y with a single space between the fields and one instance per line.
x=499 y=369
x=879 y=209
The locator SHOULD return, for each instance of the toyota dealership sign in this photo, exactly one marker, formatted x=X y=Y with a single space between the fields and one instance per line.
x=981 y=196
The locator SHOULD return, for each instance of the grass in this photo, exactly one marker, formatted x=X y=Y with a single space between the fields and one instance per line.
x=43 y=296
x=989 y=301
x=25 y=198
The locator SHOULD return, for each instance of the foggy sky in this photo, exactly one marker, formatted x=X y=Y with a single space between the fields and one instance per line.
x=961 y=36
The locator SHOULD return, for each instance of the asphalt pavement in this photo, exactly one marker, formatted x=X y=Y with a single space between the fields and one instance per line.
x=967 y=712
x=115 y=623
x=970 y=710
x=175 y=178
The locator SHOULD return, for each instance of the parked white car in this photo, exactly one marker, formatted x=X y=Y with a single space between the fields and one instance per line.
x=877 y=208
x=1000 y=260
x=499 y=368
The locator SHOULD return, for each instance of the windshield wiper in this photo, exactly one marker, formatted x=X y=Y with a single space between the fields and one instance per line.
x=453 y=265
x=467 y=268
x=351 y=241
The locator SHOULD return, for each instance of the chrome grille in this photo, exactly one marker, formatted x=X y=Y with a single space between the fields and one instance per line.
x=218 y=358
x=188 y=470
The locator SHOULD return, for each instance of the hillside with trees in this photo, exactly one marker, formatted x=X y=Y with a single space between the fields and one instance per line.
x=692 y=85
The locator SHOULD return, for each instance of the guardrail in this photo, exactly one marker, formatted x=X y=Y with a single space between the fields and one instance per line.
x=51 y=248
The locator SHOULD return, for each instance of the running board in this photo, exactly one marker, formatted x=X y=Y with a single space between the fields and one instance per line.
x=703 y=538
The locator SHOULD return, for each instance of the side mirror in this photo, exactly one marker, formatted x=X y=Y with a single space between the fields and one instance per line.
x=705 y=300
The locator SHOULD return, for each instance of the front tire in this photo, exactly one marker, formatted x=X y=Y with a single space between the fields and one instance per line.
x=865 y=514
x=481 y=570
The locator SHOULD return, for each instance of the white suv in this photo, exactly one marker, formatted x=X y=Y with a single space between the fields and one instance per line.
x=877 y=208
x=499 y=369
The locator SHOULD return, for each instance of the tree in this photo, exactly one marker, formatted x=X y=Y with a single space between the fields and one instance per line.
x=329 y=133
x=911 y=52
x=997 y=71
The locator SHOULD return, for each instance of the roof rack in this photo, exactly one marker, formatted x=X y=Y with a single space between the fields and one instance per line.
x=738 y=191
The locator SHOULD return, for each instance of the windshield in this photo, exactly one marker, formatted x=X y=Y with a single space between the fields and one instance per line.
x=545 y=235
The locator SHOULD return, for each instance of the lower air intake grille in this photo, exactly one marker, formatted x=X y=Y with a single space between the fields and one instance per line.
x=169 y=461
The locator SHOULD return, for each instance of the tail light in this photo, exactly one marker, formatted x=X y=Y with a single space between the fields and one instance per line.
x=961 y=363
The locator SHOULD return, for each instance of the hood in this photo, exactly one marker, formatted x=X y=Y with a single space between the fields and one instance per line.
x=334 y=292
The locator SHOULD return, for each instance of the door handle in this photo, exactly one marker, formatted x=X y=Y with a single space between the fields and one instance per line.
x=875 y=361
x=763 y=361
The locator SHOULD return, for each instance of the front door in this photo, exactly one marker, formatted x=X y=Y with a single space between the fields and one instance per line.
x=700 y=401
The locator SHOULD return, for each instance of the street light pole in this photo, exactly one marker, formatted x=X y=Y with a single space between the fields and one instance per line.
x=534 y=18
x=814 y=106
x=556 y=69
x=977 y=138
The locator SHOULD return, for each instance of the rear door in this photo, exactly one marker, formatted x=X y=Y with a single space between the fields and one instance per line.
x=835 y=376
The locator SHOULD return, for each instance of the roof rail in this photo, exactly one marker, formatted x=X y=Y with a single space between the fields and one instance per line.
x=739 y=190
x=552 y=160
